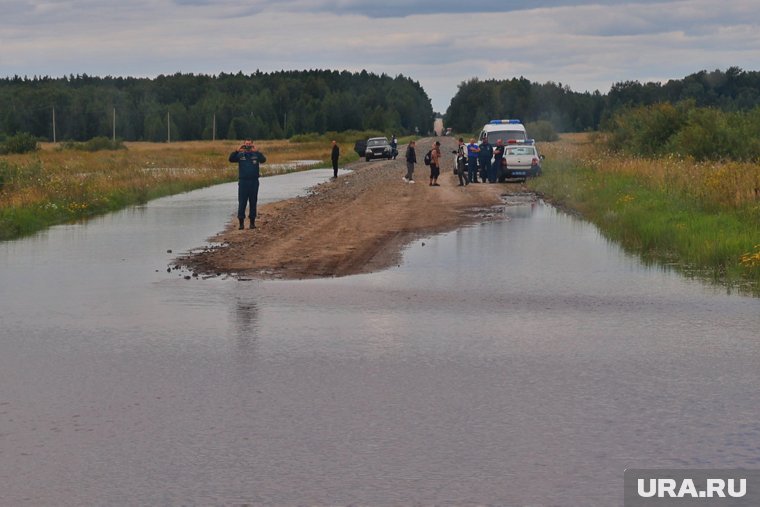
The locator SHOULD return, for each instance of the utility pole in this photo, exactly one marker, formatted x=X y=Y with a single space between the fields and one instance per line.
x=114 y=125
x=53 y=124
x=168 y=127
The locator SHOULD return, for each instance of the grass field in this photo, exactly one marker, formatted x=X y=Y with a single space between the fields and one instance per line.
x=702 y=217
x=53 y=186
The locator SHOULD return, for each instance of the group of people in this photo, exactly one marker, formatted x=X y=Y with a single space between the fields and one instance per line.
x=473 y=160
x=482 y=160
x=432 y=158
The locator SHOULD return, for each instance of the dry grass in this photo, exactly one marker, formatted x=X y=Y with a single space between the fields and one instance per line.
x=52 y=185
x=717 y=185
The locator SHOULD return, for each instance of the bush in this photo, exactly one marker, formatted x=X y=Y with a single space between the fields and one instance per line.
x=706 y=134
x=542 y=131
x=101 y=143
x=20 y=143
x=5 y=173
x=347 y=136
x=688 y=131
x=646 y=131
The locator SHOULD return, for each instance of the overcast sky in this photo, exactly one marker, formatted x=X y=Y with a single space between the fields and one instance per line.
x=587 y=45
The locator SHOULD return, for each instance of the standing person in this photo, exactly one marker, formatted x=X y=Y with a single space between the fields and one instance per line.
x=498 y=155
x=335 y=155
x=461 y=153
x=472 y=160
x=394 y=146
x=484 y=158
x=248 y=159
x=435 y=164
x=411 y=159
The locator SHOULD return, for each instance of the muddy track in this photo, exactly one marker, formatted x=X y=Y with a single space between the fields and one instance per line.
x=355 y=224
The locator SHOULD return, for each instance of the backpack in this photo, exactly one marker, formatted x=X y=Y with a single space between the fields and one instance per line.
x=428 y=157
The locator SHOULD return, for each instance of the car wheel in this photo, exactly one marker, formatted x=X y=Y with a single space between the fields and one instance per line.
x=368 y=159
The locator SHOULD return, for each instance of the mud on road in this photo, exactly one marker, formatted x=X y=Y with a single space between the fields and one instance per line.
x=357 y=223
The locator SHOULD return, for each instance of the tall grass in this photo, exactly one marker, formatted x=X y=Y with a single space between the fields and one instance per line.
x=53 y=186
x=702 y=216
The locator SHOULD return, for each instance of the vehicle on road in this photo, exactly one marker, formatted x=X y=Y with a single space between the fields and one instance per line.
x=521 y=160
x=377 y=147
x=506 y=130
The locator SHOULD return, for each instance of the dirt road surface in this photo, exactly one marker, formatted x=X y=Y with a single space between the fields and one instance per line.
x=355 y=224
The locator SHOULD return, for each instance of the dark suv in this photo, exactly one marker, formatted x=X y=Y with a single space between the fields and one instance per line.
x=377 y=147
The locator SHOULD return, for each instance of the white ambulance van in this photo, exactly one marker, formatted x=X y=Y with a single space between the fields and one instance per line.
x=505 y=130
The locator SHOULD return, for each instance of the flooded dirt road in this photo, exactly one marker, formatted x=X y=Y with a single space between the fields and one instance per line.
x=524 y=361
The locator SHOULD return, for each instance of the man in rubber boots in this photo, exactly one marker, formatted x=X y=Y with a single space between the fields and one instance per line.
x=248 y=159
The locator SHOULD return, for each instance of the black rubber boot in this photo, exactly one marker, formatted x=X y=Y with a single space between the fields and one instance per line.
x=240 y=220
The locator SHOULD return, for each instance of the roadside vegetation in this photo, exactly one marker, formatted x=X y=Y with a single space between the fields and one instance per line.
x=51 y=184
x=681 y=203
x=22 y=142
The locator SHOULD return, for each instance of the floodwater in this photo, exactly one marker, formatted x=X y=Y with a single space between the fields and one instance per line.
x=524 y=361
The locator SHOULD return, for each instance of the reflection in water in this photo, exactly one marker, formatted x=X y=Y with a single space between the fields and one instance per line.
x=245 y=318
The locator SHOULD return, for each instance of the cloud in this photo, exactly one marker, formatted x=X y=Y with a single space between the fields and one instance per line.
x=401 y=8
x=588 y=46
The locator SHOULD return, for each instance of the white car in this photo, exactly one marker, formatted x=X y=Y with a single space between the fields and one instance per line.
x=521 y=160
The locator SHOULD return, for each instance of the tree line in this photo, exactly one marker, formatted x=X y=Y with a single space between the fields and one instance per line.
x=228 y=106
x=282 y=104
x=478 y=101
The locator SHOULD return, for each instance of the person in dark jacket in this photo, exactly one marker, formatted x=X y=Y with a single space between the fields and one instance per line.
x=472 y=160
x=411 y=159
x=248 y=159
x=484 y=159
x=498 y=156
x=335 y=155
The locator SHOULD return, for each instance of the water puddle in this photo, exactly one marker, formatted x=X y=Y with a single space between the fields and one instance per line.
x=526 y=350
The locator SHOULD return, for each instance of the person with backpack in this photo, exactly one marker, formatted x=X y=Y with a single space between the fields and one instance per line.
x=411 y=159
x=472 y=160
x=435 y=164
